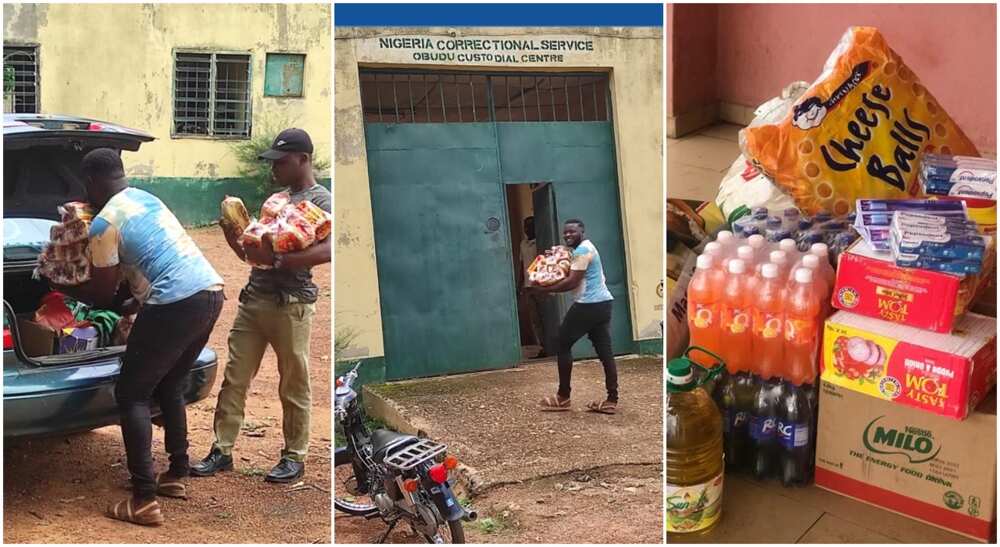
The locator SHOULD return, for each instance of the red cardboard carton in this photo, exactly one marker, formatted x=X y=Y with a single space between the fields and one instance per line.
x=947 y=374
x=869 y=283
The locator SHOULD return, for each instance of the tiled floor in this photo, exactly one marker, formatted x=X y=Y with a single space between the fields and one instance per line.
x=756 y=512
x=696 y=163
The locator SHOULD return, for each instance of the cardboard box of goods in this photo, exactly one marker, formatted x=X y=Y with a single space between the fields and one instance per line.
x=869 y=283
x=927 y=467
x=947 y=374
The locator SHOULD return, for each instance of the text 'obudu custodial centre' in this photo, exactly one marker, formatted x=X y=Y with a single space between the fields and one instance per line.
x=447 y=140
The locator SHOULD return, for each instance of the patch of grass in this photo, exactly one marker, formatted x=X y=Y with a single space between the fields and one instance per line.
x=491 y=525
x=339 y=439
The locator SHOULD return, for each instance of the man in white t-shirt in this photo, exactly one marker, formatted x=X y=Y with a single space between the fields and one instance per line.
x=531 y=301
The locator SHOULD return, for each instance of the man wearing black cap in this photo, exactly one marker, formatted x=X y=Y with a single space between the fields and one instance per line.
x=276 y=308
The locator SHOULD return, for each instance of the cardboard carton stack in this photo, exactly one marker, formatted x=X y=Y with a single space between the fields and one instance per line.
x=907 y=412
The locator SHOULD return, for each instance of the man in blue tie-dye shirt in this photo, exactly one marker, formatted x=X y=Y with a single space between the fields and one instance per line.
x=589 y=315
x=134 y=237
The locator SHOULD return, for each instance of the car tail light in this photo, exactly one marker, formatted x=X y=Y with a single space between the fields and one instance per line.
x=8 y=339
x=95 y=127
x=438 y=473
x=450 y=462
x=411 y=485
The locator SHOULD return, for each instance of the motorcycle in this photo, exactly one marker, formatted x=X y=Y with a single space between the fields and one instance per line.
x=393 y=476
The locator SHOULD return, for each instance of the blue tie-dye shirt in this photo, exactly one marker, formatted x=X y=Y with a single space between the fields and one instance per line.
x=161 y=262
x=594 y=287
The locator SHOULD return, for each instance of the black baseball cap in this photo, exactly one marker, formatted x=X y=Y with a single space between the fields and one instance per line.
x=289 y=141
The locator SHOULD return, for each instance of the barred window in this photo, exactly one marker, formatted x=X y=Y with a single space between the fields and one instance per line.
x=20 y=70
x=212 y=94
x=416 y=96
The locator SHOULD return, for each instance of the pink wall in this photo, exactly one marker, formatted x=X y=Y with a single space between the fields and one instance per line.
x=692 y=53
x=951 y=47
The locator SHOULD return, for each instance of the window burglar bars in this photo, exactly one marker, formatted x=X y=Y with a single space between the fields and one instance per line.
x=468 y=97
x=23 y=62
x=212 y=94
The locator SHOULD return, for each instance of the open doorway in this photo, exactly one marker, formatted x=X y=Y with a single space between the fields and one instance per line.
x=534 y=228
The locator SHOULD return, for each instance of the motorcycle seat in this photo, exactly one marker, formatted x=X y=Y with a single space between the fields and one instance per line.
x=384 y=440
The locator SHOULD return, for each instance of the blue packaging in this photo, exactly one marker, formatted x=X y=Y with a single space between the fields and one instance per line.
x=957 y=267
x=943 y=246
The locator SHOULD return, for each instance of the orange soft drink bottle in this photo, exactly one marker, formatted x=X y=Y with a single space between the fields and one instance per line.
x=802 y=323
x=703 y=309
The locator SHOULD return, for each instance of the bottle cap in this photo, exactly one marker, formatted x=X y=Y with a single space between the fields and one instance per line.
x=819 y=249
x=803 y=275
x=712 y=248
x=810 y=261
x=769 y=271
x=737 y=266
x=725 y=236
x=704 y=262
x=679 y=372
x=778 y=257
x=745 y=253
x=787 y=245
x=756 y=241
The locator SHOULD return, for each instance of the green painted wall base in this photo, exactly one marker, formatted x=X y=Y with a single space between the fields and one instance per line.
x=650 y=347
x=195 y=201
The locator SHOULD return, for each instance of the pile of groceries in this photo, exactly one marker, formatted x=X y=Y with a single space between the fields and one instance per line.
x=65 y=259
x=61 y=324
x=290 y=227
x=550 y=267
x=849 y=341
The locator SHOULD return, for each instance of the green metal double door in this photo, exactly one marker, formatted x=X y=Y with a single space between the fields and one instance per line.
x=442 y=236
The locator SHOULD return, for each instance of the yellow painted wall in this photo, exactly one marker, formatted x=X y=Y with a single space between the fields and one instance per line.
x=114 y=62
x=634 y=56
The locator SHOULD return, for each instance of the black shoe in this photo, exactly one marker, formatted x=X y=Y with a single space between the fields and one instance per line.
x=286 y=471
x=213 y=463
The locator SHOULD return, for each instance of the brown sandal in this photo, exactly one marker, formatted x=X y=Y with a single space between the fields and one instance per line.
x=603 y=407
x=170 y=487
x=552 y=403
x=148 y=514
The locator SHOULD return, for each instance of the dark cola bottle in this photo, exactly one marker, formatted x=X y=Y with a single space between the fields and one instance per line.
x=764 y=428
x=735 y=401
x=795 y=433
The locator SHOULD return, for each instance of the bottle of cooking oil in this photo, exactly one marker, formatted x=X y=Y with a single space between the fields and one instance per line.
x=695 y=462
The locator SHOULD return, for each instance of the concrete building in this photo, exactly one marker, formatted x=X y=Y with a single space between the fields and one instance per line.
x=199 y=78
x=446 y=140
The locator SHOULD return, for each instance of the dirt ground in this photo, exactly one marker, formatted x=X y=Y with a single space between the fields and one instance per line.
x=616 y=504
x=573 y=477
x=55 y=490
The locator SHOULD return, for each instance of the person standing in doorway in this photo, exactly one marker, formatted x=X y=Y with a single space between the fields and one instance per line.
x=589 y=315
x=531 y=300
x=178 y=295
x=276 y=309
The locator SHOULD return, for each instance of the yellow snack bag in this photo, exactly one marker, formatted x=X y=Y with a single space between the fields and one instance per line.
x=858 y=132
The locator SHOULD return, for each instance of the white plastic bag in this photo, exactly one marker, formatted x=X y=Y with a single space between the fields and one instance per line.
x=744 y=185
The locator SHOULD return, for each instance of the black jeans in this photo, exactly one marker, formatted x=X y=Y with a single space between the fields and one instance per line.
x=163 y=345
x=594 y=320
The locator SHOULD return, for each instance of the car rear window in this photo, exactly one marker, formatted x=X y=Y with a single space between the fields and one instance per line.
x=38 y=180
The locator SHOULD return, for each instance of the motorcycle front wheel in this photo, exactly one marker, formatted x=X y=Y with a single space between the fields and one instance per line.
x=346 y=502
